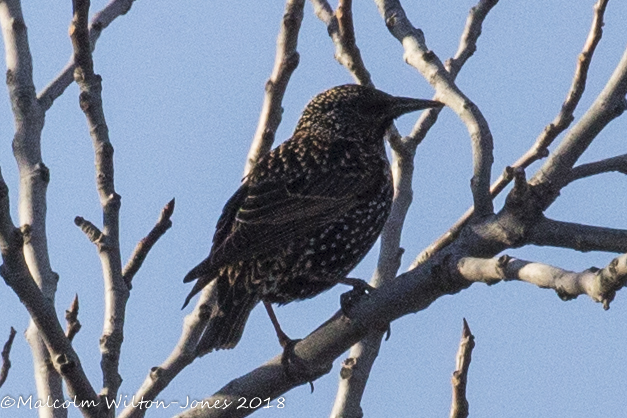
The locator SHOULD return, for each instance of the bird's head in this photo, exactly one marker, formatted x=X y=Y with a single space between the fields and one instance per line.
x=358 y=109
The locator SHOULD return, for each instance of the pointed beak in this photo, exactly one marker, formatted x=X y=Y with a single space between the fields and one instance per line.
x=402 y=105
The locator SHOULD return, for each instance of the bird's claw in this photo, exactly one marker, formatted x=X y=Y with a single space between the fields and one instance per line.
x=350 y=298
x=290 y=360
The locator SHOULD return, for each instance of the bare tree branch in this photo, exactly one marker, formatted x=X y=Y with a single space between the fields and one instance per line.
x=145 y=245
x=428 y=64
x=540 y=147
x=99 y=22
x=183 y=354
x=116 y=290
x=342 y=32
x=285 y=63
x=356 y=368
x=549 y=232
x=459 y=404
x=17 y=276
x=610 y=104
x=34 y=178
x=71 y=318
x=6 y=362
x=600 y=284
x=616 y=164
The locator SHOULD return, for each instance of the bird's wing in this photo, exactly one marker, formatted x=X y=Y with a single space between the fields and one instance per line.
x=275 y=213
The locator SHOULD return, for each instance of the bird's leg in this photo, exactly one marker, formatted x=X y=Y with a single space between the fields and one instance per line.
x=288 y=357
x=284 y=340
x=350 y=298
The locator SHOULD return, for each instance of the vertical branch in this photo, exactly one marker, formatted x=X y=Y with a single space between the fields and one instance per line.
x=100 y=21
x=459 y=404
x=428 y=64
x=34 y=178
x=116 y=290
x=285 y=63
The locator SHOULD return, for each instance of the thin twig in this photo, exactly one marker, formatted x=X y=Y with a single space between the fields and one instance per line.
x=6 y=362
x=116 y=290
x=71 y=318
x=145 y=245
x=99 y=22
x=285 y=63
x=183 y=354
x=459 y=404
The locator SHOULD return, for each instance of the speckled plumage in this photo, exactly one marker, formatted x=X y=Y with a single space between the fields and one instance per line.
x=307 y=213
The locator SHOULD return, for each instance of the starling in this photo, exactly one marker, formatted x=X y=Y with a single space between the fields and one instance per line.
x=306 y=214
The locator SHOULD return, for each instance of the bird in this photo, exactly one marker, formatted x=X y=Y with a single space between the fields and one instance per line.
x=306 y=214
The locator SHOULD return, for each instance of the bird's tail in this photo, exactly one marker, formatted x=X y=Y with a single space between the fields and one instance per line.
x=228 y=317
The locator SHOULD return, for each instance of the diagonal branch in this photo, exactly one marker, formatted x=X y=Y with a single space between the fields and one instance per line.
x=614 y=164
x=342 y=32
x=610 y=104
x=145 y=245
x=285 y=63
x=540 y=148
x=459 y=404
x=428 y=64
x=17 y=276
x=116 y=290
x=6 y=362
x=182 y=356
x=99 y=22
x=600 y=284
x=549 y=232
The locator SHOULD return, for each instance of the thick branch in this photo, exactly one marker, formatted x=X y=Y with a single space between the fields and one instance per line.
x=116 y=290
x=99 y=22
x=144 y=246
x=6 y=362
x=578 y=237
x=600 y=284
x=428 y=64
x=540 y=147
x=459 y=404
x=285 y=63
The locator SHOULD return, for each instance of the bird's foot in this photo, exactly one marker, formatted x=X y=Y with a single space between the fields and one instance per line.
x=350 y=298
x=293 y=367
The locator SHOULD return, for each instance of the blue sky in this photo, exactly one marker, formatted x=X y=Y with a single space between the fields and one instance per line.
x=182 y=90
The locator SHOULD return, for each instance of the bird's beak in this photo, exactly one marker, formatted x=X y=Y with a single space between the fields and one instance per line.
x=402 y=105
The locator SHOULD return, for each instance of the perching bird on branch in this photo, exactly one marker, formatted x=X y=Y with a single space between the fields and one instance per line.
x=306 y=214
